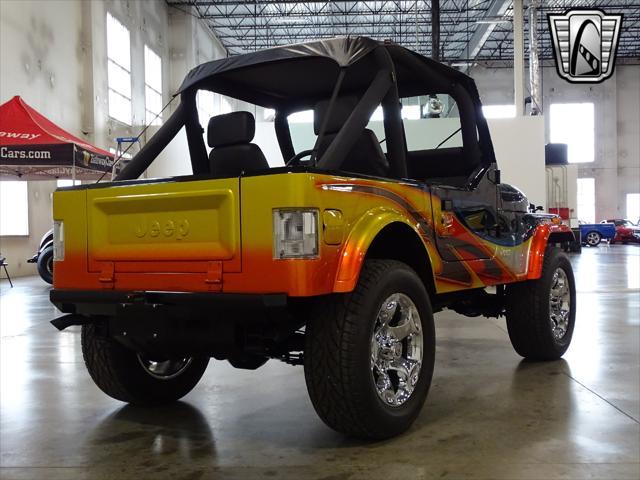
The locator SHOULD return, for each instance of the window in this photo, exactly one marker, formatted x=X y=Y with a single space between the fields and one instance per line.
x=119 y=70
x=587 y=200
x=67 y=183
x=573 y=124
x=440 y=125
x=152 y=87
x=303 y=116
x=633 y=207
x=225 y=106
x=499 y=111
x=268 y=114
x=14 y=208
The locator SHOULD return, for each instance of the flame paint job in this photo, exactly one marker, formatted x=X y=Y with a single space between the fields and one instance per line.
x=216 y=235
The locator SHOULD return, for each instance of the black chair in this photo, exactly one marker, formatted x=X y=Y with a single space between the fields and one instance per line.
x=366 y=156
x=3 y=263
x=233 y=153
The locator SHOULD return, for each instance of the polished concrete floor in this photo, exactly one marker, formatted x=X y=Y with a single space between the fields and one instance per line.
x=489 y=415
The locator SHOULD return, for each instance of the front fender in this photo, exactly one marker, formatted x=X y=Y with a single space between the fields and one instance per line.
x=544 y=234
x=364 y=231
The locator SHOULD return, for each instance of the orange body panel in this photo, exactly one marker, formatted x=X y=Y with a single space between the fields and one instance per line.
x=217 y=236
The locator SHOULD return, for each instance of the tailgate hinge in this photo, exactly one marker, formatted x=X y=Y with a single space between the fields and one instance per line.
x=107 y=275
x=214 y=276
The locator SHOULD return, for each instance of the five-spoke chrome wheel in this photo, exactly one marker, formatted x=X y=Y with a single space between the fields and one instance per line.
x=593 y=238
x=164 y=369
x=559 y=303
x=396 y=349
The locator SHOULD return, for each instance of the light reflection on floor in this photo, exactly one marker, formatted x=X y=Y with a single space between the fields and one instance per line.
x=488 y=415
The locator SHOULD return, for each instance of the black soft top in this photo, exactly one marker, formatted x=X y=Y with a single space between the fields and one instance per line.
x=299 y=75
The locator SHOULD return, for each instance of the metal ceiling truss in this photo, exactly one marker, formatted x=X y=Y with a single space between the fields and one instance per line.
x=469 y=31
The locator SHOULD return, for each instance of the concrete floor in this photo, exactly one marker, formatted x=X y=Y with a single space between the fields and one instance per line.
x=488 y=416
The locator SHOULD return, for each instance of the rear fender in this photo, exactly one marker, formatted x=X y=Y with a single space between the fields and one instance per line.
x=360 y=238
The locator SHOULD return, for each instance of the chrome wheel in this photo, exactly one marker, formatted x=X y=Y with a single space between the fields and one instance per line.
x=50 y=265
x=165 y=369
x=593 y=238
x=559 y=304
x=396 y=350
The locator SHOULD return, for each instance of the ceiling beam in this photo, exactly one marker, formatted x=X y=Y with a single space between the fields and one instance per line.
x=496 y=9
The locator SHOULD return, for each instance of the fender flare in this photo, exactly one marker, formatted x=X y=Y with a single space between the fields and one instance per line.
x=545 y=233
x=360 y=238
x=44 y=246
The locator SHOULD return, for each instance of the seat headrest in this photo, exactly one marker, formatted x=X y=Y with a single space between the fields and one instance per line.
x=231 y=129
x=340 y=112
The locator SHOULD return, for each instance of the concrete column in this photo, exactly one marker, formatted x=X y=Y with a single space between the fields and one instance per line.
x=518 y=56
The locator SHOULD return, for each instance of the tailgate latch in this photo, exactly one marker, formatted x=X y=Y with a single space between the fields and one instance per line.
x=214 y=276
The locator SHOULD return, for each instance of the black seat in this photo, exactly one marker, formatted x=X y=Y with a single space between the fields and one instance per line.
x=366 y=156
x=230 y=137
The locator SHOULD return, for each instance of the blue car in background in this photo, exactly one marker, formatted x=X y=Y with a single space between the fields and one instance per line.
x=592 y=234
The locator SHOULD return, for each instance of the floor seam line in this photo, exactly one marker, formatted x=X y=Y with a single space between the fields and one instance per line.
x=603 y=399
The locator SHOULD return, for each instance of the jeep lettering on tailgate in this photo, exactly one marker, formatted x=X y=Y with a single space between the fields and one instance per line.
x=177 y=229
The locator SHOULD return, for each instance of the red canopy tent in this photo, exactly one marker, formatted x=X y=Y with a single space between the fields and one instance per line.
x=34 y=148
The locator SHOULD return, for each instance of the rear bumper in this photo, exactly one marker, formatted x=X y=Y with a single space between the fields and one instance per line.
x=172 y=324
x=110 y=303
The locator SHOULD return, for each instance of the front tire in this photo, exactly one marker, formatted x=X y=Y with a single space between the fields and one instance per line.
x=370 y=353
x=45 y=264
x=541 y=313
x=134 y=378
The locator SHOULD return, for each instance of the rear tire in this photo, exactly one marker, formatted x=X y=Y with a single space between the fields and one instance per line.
x=45 y=264
x=540 y=316
x=593 y=239
x=130 y=377
x=352 y=352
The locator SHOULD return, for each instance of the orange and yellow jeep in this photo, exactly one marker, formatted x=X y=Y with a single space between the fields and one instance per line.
x=336 y=260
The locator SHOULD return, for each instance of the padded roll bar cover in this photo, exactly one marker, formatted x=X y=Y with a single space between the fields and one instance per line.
x=231 y=129
x=339 y=113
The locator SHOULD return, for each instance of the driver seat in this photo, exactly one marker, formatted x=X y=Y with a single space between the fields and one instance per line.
x=230 y=135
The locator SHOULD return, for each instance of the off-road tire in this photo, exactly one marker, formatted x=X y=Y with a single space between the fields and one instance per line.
x=528 y=312
x=45 y=264
x=338 y=349
x=117 y=371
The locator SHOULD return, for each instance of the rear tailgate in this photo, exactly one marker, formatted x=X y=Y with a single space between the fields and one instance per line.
x=155 y=229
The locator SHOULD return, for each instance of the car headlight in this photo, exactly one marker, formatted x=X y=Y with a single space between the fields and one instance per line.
x=295 y=233
x=58 y=240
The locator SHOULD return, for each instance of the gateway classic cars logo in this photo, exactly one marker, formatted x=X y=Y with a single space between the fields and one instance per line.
x=585 y=44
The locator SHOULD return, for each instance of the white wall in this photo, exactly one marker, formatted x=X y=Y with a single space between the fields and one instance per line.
x=616 y=168
x=519 y=147
x=54 y=55
x=42 y=61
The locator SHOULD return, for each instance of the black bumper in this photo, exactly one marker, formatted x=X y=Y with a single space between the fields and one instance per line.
x=176 y=323
x=109 y=303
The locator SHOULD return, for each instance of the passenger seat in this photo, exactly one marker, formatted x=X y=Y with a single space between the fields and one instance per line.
x=366 y=156
x=230 y=137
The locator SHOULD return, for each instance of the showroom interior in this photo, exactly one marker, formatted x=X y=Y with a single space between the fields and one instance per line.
x=86 y=85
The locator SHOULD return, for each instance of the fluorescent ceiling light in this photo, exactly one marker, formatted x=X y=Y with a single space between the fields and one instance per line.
x=493 y=20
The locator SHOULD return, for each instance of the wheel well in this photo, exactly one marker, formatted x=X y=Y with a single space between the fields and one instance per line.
x=561 y=237
x=398 y=241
